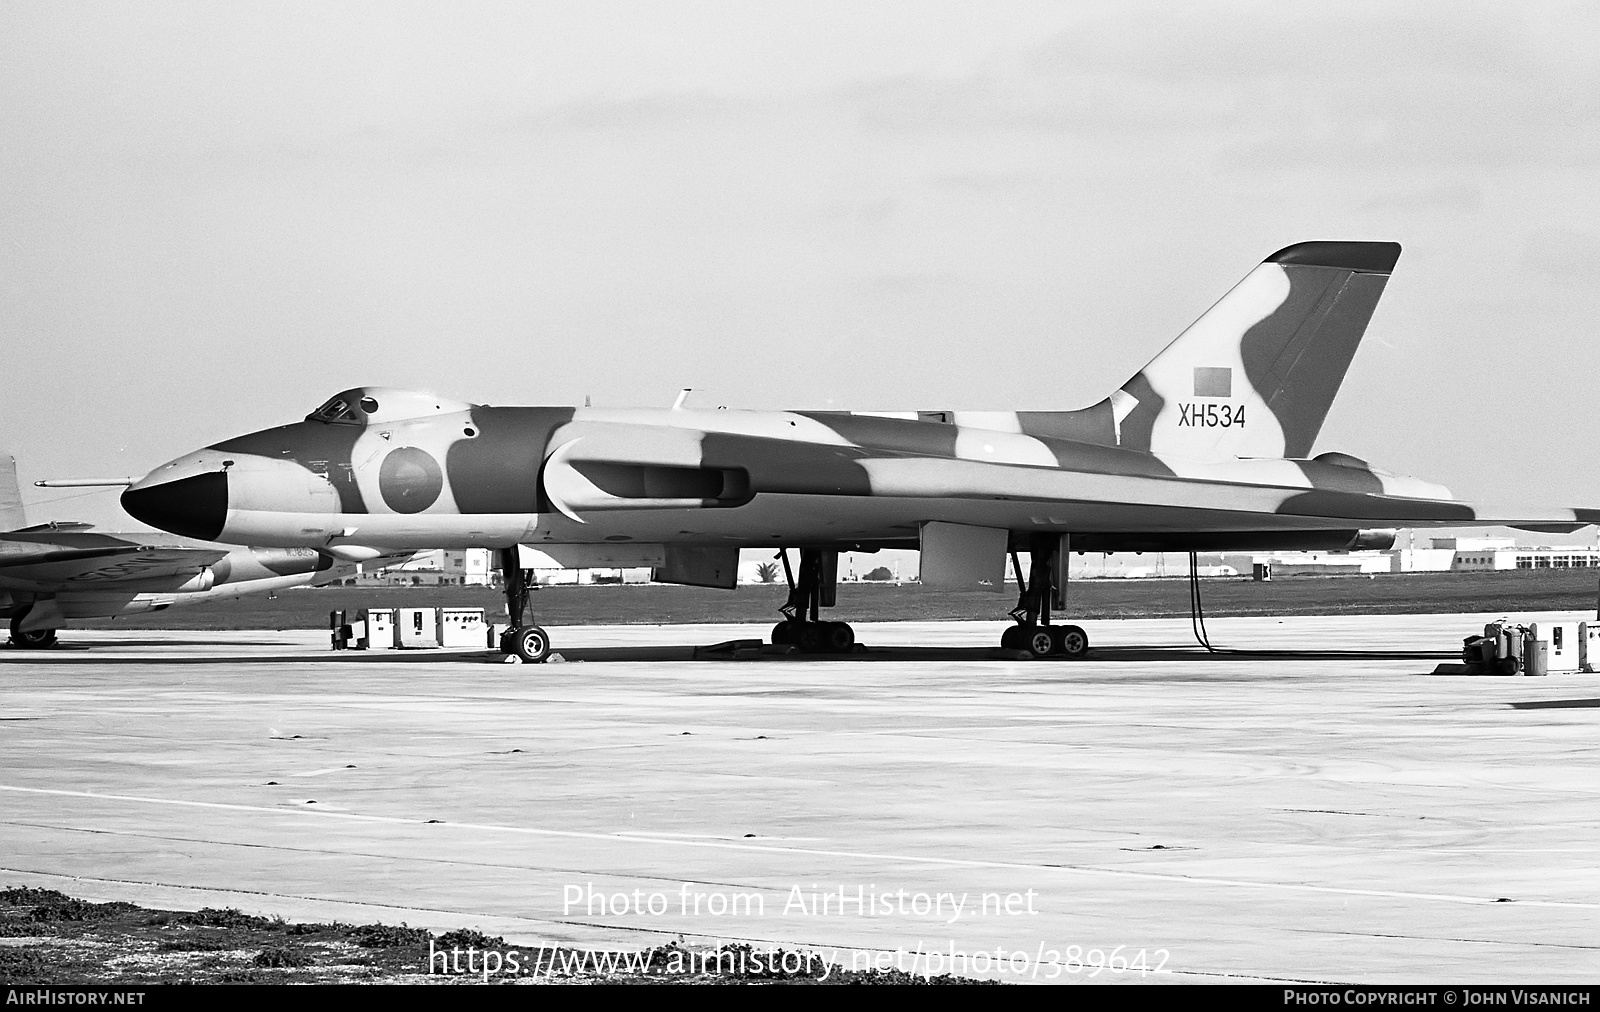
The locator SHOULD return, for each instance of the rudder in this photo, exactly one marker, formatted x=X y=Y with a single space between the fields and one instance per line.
x=12 y=515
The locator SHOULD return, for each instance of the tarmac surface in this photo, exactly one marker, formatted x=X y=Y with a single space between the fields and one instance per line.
x=1229 y=817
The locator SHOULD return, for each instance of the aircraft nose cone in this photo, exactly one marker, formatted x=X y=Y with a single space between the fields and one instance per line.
x=194 y=507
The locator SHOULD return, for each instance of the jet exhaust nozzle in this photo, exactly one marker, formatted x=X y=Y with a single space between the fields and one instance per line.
x=1373 y=541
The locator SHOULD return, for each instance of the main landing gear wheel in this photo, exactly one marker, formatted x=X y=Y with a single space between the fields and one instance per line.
x=528 y=642
x=1071 y=641
x=815 y=637
x=838 y=637
x=1038 y=641
x=808 y=637
x=34 y=639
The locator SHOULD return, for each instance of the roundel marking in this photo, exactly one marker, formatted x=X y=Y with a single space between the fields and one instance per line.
x=410 y=479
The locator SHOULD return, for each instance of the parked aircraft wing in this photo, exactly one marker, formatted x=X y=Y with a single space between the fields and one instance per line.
x=55 y=525
x=104 y=561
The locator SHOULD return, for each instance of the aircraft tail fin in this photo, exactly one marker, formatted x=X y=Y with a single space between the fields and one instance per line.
x=1256 y=374
x=12 y=516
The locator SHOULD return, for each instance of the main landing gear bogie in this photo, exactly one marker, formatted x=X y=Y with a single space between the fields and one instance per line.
x=1045 y=587
x=812 y=589
x=814 y=637
x=1047 y=640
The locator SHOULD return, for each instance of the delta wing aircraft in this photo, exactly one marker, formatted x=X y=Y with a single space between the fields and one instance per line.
x=1207 y=448
x=50 y=573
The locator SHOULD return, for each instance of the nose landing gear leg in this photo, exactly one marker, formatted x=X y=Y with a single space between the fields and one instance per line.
x=524 y=638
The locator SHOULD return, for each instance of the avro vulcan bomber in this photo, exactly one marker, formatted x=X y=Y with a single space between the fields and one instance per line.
x=1207 y=448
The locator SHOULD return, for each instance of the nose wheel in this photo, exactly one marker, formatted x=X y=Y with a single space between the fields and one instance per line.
x=529 y=642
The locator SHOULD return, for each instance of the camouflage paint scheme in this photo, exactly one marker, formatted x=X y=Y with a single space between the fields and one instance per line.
x=1206 y=448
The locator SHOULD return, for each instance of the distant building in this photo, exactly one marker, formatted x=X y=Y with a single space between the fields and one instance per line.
x=467 y=567
x=471 y=567
x=1486 y=554
x=1323 y=563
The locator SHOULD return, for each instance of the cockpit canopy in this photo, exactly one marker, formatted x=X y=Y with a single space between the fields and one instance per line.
x=340 y=411
x=363 y=405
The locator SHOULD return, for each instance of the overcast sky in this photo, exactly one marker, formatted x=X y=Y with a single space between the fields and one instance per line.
x=213 y=216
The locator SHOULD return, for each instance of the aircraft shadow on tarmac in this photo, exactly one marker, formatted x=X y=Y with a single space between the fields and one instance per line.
x=1557 y=704
x=733 y=650
x=11 y=652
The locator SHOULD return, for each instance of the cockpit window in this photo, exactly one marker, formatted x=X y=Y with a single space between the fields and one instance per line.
x=339 y=412
x=369 y=405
